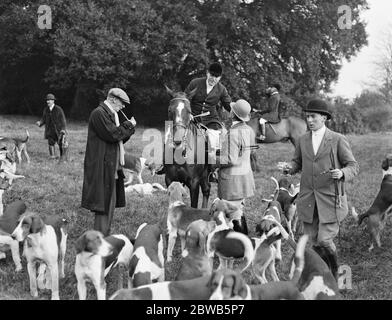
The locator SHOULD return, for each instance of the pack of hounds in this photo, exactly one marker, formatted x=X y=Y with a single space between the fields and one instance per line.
x=205 y=235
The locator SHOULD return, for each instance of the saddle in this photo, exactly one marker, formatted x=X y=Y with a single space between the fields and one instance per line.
x=214 y=132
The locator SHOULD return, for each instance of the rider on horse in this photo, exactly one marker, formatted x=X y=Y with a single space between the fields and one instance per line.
x=271 y=114
x=209 y=92
x=208 y=95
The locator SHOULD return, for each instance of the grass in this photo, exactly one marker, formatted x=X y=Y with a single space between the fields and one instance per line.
x=52 y=188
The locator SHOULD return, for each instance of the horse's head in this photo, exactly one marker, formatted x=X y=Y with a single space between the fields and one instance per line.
x=180 y=113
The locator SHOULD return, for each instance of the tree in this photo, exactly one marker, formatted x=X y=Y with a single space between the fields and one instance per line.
x=142 y=45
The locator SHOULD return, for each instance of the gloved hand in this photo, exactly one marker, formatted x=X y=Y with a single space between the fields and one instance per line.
x=38 y=123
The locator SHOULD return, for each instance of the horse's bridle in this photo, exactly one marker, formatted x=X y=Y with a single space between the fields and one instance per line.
x=181 y=124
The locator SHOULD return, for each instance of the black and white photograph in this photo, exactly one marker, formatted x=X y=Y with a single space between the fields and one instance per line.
x=195 y=150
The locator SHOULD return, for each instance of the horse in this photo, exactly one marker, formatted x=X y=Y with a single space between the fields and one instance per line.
x=188 y=148
x=287 y=129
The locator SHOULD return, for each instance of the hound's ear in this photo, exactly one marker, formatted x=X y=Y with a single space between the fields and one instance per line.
x=10 y=156
x=191 y=94
x=294 y=198
x=169 y=91
x=37 y=225
x=184 y=192
x=232 y=208
x=202 y=242
x=239 y=286
x=385 y=164
x=81 y=243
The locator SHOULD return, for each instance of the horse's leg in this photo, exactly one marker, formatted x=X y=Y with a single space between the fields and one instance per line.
x=205 y=189
x=253 y=161
x=168 y=181
x=194 y=189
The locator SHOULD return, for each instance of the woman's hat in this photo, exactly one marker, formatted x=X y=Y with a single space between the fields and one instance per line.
x=241 y=108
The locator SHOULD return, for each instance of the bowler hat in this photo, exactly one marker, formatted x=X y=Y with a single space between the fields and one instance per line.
x=318 y=106
x=120 y=94
x=241 y=108
x=215 y=69
x=50 y=96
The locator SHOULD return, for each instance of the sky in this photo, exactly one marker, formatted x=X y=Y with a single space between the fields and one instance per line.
x=356 y=75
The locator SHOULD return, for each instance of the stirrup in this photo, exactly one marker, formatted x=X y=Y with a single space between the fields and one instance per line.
x=212 y=177
x=261 y=137
x=160 y=170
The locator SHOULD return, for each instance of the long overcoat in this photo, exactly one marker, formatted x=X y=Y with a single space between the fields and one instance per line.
x=317 y=186
x=102 y=160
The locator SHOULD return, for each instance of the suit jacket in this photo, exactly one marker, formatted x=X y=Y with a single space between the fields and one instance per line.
x=317 y=188
x=101 y=160
x=235 y=181
x=201 y=102
x=54 y=121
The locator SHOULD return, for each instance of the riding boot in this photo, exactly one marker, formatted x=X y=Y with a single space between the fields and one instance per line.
x=262 y=135
x=52 y=152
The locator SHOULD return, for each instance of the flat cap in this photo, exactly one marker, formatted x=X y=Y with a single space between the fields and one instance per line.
x=120 y=94
x=50 y=96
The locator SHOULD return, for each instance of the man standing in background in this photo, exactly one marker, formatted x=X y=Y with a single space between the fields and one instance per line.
x=55 y=124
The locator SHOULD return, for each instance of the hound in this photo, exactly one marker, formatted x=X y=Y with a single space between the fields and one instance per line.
x=45 y=243
x=97 y=256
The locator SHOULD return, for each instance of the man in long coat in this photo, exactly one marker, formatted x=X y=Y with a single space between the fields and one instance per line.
x=103 y=184
x=55 y=124
x=327 y=162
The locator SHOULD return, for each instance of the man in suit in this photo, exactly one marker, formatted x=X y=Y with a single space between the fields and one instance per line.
x=103 y=183
x=271 y=113
x=326 y=161
x=55 y=124
x=235 y=178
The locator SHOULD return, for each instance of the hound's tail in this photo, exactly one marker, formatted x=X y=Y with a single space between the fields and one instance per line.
x=158 y=186
x=276 y=193
x=299 y=258
x=140 y=229
x=248 y=252
x=27 y=137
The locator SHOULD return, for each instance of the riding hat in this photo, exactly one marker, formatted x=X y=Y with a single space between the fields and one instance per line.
x=50 y=96
x=318 y=106
x=241 y=108
x=120 y=94
x=215 y=69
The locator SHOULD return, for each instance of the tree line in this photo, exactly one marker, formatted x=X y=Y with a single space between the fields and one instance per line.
x=142 y=45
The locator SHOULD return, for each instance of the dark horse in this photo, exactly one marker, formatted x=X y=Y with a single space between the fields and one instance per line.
x=187 y=154
x=288 y=129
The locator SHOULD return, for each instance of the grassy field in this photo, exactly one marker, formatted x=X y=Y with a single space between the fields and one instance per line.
x=52 y=188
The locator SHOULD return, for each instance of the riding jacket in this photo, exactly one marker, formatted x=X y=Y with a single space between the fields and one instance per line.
x=202 y=102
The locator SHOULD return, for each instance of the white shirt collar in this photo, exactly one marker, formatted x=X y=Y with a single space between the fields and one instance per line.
x=319 y=132
x=235 y=122
x=51 y=108
x=109 y=106
x=208 y=86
